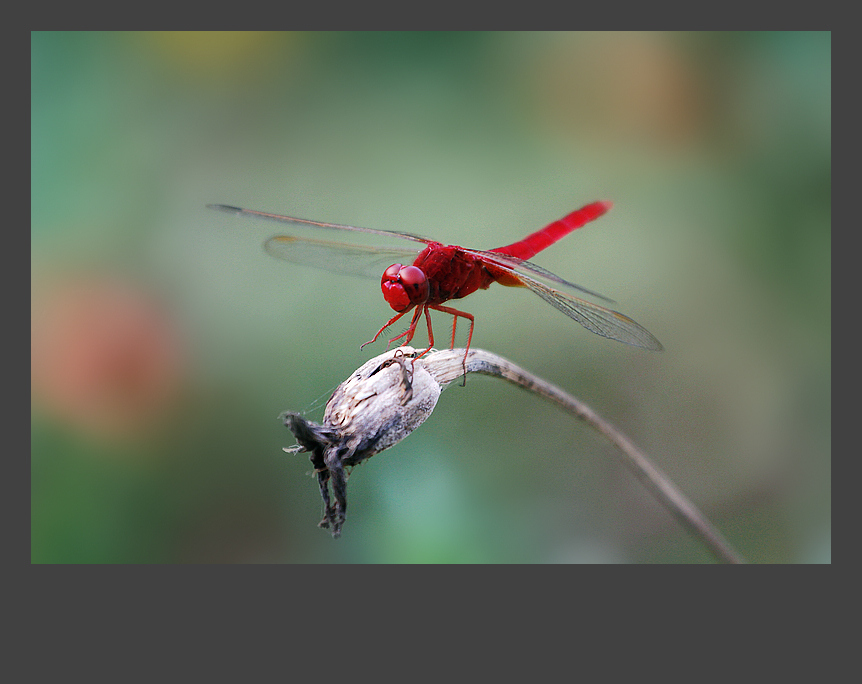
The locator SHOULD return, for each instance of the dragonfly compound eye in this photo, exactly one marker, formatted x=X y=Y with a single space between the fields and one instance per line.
x=404 y=286
x=415 y=284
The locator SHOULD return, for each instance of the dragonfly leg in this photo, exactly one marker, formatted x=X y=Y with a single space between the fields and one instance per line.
x=388 y=323
x=456 y=314
x=430 y=332
x=454 y=328
x=411 y=330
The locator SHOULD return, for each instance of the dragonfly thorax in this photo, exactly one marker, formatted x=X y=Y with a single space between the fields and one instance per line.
x=404 y=287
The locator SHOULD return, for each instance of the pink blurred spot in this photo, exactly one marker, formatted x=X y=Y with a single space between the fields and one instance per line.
x=105 y=356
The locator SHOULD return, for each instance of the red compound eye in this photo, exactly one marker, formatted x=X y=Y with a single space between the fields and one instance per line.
x=404 y=286
x=391 y=273
x=415 y=283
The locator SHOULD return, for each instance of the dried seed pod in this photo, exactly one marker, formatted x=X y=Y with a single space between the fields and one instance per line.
x=375 y=408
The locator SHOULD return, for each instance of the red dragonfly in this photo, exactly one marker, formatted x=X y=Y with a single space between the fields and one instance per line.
x=435 y=273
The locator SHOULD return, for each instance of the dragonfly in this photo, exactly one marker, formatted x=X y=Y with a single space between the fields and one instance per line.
x=425 y=274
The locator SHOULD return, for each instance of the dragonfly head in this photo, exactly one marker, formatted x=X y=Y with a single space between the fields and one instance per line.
x=404 y=287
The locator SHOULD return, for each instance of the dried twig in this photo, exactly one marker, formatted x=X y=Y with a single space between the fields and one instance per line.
x=392 y=394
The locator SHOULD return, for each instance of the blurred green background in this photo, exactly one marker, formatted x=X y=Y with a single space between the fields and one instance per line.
x=165 y=342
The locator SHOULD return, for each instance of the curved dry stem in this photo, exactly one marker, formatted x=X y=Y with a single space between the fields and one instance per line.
x=447 y=366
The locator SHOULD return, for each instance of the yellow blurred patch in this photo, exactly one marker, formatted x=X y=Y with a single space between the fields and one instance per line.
x=221 y=55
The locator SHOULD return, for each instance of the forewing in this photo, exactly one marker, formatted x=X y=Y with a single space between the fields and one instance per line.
x=305 y=223
x=527 y=269
x=339 y=257
x=594 y=317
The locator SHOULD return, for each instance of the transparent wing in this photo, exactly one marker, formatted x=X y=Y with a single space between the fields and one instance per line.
x=305 y=223
x=595 y=318
x=521 y=267
x=339 y=257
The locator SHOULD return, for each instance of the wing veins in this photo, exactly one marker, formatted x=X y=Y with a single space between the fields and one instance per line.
x=597 y=319
x=293 y=221
x=518 y=266
x=361 y=260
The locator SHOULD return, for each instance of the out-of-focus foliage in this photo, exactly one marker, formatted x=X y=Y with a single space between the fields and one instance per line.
x=165 y=342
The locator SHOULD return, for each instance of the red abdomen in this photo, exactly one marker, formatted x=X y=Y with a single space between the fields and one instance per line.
x=536 y=242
